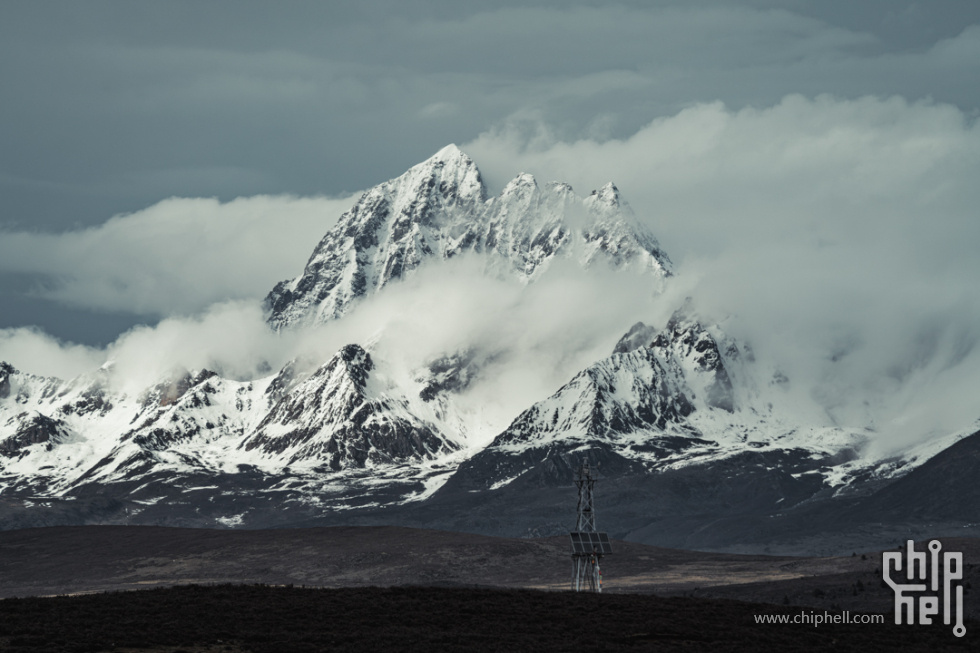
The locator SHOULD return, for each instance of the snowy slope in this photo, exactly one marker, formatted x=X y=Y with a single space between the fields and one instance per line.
x=58 y=436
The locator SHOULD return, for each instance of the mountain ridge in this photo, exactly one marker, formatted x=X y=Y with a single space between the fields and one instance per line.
x=688 y=427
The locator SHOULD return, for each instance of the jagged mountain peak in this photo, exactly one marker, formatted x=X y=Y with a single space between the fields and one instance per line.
x=561 y=188
x=448 y=175
x=522 y=180
x=639 y=335
x=447 y=152
x=450 y=154
x=439 y=209
x=351 y=364
x=332 y=418
x=170 y=390
x=388 y=232
x=692 y=346
x=652 y=383
x=608 y=195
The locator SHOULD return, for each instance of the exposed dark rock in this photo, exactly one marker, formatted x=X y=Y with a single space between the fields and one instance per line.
x=38 y=429
x=6 y=371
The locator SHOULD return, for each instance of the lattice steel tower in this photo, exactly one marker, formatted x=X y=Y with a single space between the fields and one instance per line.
x=588 y=545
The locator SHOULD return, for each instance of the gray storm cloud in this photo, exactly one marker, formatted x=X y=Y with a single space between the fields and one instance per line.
x=109 y=107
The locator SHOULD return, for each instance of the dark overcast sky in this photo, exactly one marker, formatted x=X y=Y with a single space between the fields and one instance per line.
x=109 y=107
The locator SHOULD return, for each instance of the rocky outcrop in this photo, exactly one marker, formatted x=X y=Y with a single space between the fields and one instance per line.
x=34 y=429
x=6 y=371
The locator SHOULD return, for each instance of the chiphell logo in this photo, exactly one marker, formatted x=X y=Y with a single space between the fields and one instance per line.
x=926 y=568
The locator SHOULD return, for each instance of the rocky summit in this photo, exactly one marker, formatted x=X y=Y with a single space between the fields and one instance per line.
x=438 y=210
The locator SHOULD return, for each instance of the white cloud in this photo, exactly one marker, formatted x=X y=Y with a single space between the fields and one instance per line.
x=841 y=235
x=534 y=338
x=707 y=176
x=33 y=351
x=230 y=338
x=177 y=256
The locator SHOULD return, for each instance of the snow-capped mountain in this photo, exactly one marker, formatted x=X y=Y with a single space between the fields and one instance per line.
x=663 y=399
x=438 y=210
x=685 y=426
x=336 y=417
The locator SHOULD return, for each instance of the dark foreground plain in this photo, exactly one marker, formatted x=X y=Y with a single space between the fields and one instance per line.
x=85 y=559
x=264 y=619
x=390 y=588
